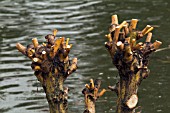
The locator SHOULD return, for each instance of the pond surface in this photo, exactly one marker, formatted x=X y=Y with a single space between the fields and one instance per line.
x=85 y=22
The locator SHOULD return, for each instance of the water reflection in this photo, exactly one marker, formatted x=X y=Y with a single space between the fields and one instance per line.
x=85 y=23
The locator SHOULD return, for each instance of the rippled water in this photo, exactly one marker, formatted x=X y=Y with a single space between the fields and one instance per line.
x=85 y=22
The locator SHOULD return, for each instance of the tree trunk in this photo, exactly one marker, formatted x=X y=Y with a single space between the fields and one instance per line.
x=56 y=95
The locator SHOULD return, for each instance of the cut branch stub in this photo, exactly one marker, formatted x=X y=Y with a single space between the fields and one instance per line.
x=51 y=65
x=133 y=100
x=131 y=58
x=114 y=19
x=21 y=48
x=91 y=94
x=133 y=24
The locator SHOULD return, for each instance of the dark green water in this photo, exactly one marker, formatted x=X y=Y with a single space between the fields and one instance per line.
x=85 y=22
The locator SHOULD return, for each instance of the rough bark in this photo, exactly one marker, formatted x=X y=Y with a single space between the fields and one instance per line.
x=51 y=65
x=131 y=58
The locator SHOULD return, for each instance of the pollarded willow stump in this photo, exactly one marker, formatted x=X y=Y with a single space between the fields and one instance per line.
x=91 y=94
x=51 y=65
x=131 y=58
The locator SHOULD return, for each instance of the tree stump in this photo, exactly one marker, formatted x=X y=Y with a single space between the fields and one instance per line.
x=91 y=94
x=131 y=58
x=51 y=65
